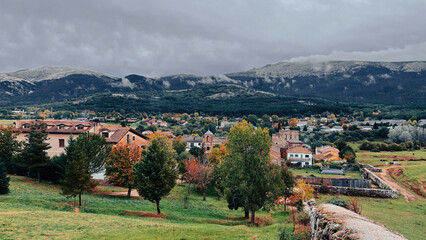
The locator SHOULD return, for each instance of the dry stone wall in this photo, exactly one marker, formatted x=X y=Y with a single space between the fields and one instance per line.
x=329 y=221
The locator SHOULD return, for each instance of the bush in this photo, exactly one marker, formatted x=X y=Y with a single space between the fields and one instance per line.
x=339 y=202
x=285 y=234
x=260 y=222
x=323 y=189
x=4 y=180
x=304 y=218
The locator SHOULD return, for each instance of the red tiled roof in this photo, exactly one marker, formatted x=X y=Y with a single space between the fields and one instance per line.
x=53 y=126
x=299 y=150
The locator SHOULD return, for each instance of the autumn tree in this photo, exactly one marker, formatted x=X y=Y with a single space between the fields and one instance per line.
x=217 y=155
x=156 y=174
x=119 y=165
x=293 y=122
x=200 y=172
x=34 y=154
x=303 y=191
x=248 y=169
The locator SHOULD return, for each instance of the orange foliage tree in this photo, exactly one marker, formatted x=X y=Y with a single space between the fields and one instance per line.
x=303 y=191
x=119 y=165
x=199 y=172
x=292 y=122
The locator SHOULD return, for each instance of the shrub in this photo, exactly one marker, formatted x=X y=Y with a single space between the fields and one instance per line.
x=4 y=180
x=339 y=202
x=285 y=234
x=260 y=222
x=302 y=232
x=304 y=218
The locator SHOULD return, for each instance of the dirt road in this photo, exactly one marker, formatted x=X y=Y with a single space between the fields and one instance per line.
x=404 y=192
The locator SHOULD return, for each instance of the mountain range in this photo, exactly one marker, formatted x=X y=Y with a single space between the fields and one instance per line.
x=399 y=83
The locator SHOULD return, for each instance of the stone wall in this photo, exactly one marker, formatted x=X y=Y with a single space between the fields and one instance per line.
x=363 y=192
x=329 y=221
x=375 y=179
x=371 y=168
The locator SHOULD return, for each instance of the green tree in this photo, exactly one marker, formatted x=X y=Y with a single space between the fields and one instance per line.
x=156 y=174
x=289 y=183
x=275 y=118
x=251 y=118
x=248 y=169
x=77 y=177
x=266 y=118
x=86 y=155
x=34 y=153
x=9 y=146
x=4 y=179
x=179 y=145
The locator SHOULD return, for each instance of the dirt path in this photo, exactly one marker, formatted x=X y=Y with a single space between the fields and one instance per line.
x=385 y=177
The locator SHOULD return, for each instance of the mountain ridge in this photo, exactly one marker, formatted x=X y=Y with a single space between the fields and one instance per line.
x=359 y=81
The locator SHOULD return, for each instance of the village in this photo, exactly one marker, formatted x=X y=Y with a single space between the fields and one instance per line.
x=326 y=156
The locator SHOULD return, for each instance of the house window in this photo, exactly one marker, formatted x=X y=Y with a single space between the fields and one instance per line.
x=306 y=156
x=291 y=155
x=80 y=127
x=105 y=134
x=208 y=148
x=192 y=144
x=128 y=139
x=26 y=126
x=61 y=143
x=296 y=155
x=134 y=137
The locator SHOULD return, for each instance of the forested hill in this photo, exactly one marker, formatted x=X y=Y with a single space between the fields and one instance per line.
x=401 y=83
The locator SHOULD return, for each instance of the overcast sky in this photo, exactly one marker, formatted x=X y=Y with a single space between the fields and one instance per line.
x=157 y=38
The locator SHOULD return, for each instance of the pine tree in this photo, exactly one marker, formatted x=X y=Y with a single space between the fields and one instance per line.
x=77 y=175
x=156 y=174
x=4 y=180
x=34 y=153
x=86 y=155
x=8 y=146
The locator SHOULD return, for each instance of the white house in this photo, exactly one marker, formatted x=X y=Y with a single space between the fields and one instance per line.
x=192 y=141
x=300 y=155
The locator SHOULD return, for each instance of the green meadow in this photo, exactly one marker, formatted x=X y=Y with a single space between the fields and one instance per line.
x=33 y=211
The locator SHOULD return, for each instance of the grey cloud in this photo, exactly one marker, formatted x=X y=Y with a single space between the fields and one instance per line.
x=156 y=38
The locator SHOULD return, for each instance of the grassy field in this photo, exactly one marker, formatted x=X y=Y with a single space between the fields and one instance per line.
x=407 y=218
x=379 y=159
x=304 y=173
x=33 y=211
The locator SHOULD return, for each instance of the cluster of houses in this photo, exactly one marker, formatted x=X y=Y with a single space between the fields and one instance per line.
x=287 y=146
x=60 y=131
x=207 y=141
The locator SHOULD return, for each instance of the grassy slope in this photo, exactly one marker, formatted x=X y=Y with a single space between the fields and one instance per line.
x=34 y=210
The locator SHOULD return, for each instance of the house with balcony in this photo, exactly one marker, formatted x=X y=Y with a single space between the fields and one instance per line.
x=300 y=155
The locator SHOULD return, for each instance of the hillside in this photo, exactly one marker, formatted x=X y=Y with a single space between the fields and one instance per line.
x=401 y=83
x=212 y=99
